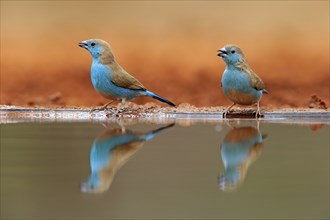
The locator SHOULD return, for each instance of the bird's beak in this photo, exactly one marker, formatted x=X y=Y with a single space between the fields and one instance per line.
x=222 y=52
x=83 y=44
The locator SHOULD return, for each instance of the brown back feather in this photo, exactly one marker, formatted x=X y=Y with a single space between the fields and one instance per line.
x=119 y=76
x=255 y=80
x=123 y=79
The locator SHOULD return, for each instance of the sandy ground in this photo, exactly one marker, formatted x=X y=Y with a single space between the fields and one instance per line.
x=194 y=79
x=201 y=90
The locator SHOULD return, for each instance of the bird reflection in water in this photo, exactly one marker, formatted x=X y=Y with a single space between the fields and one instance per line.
x=240 y=148
x=110 y=151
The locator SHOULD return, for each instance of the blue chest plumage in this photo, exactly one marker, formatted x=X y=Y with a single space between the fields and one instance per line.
x=101 y=80
x=236 y=86
x=101 y=150
x=99 y=77
x=101 y=154
x=235 y=154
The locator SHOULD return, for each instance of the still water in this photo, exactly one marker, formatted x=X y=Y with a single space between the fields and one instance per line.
x=197 y=171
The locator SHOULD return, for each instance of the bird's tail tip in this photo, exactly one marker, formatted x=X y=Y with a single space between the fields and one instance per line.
x=157 y=131
x=159 y=98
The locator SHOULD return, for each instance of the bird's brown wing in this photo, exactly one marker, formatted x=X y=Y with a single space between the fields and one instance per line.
x=123 y=79
x=255 y=80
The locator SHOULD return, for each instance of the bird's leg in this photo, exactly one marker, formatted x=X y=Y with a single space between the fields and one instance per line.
x=226 y=111
x=107 y=125
x=103 y=107
x=122 y=127
x=229 y=125
x=258 y=110
x=258 y=124
x=120 y=105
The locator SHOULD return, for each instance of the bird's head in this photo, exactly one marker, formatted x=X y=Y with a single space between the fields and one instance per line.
x=96 y=47
x=231 y=54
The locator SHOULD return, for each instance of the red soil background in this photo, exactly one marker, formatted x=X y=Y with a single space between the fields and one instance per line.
x=169 y=46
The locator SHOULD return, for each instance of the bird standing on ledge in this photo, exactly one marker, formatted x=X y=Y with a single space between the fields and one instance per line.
x=110 y=79
x=239 y=83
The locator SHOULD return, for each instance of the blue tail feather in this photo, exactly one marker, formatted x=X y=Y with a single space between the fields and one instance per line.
x=159 y=98
x=153 y=133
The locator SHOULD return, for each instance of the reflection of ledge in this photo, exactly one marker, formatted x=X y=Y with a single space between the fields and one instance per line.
x=11 y=114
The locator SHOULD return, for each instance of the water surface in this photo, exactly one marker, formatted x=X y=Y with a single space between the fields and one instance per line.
x=205 y=170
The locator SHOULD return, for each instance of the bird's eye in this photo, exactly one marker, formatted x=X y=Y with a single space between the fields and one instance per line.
x=93 y=44
x=233 y=51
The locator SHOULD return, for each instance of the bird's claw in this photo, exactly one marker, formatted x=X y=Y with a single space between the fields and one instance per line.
x=258 y=115
x=99 y=109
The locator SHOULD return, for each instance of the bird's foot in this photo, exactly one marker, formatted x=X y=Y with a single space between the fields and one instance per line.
x=227 y=110
x=119 y=112
x=259 y=115
x=102 y=108
x=224 y=115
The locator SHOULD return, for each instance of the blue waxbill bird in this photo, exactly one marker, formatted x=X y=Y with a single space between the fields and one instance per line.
x=240 y=148
x=110 y=79
x=110 y=151
x=239 y=83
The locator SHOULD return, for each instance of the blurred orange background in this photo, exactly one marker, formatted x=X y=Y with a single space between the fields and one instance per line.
x=169 y=46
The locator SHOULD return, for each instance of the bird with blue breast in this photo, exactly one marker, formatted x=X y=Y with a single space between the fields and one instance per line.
x=240 y=148
x=239 y=82
x=110 y=151
x=110 y=79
